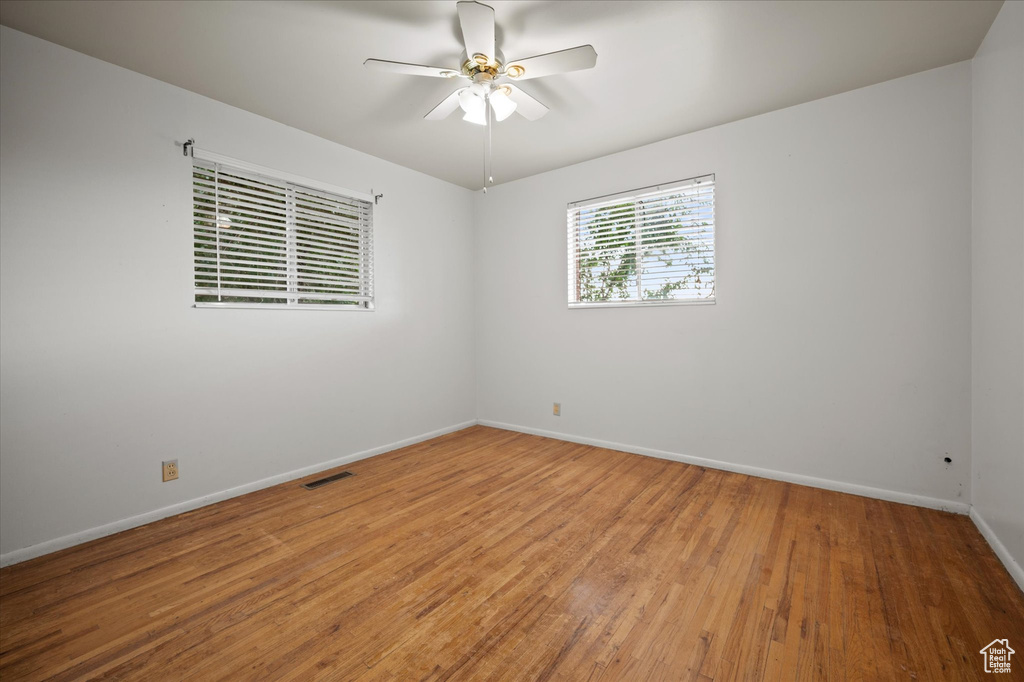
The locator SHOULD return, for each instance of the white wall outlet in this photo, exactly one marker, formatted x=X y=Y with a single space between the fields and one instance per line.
x=557 y=410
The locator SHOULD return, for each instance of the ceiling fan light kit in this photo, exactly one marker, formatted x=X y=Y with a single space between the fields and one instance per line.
x=501 y=103
x=486 y=98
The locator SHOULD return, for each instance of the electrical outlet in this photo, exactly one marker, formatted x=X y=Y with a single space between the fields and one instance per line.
x=170 y=470
x=557 y=410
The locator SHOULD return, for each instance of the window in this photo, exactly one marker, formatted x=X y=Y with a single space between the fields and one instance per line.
x=265 y=242
x=647 y=246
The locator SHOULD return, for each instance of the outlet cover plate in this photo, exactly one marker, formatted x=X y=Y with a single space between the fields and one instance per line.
x=170 y=470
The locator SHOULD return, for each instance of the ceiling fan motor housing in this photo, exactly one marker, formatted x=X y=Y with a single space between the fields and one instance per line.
x=482 y=67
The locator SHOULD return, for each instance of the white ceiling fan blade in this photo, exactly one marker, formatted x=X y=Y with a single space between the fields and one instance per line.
x=563 y=61
x=477 y=22
x=409 y=69
x=446 y=107
x=526 y=105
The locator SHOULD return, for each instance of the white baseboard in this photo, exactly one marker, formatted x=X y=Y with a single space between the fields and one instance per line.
x=1012 y=567
x=19 y=555
x=827 y=484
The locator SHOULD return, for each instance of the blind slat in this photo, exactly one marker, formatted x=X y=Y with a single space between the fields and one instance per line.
x=254 y=255
x=257 y=201
x=704 y=246
x=678 y=242
x=230 y=267
x=232 y=218
x=208 y=250
x=644 y=192
x=232 y=239
x=239 y=292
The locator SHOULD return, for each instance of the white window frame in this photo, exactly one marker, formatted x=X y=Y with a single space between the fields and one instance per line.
x=275 y=175
x=572 y=229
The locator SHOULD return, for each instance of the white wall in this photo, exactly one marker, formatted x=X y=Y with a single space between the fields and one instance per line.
x=840 y=344
x=106 y=369
x=997 y=249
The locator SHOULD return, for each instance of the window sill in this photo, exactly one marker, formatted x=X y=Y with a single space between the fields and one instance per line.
x=640 y=304
x=281 y=306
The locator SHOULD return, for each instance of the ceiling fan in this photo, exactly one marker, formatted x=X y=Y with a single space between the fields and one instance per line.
x=491 y=92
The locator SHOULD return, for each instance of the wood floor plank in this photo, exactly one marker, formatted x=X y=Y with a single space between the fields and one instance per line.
x=492 y=555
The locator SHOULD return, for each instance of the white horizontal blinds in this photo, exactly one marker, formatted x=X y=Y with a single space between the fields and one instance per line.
x=259 y=240
x=648 y=245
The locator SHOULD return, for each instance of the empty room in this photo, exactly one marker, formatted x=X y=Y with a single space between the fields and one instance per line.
x=512 y=340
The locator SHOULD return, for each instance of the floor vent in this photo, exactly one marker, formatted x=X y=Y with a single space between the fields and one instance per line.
x=313 y=485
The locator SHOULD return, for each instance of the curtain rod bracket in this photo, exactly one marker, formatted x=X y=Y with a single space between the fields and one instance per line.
x=376 y=197
x=187 y=146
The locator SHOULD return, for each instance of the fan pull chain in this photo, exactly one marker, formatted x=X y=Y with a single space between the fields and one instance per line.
x=486 y=141
x=488 y=178
x=490 y=154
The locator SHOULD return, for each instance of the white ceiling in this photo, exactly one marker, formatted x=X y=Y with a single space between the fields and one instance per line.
x=663 y=68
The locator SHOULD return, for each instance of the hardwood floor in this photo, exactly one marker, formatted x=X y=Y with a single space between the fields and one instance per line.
x=488 y=554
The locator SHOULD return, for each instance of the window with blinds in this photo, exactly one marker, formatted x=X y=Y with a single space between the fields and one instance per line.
x=648 y=246
x=265 y=242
